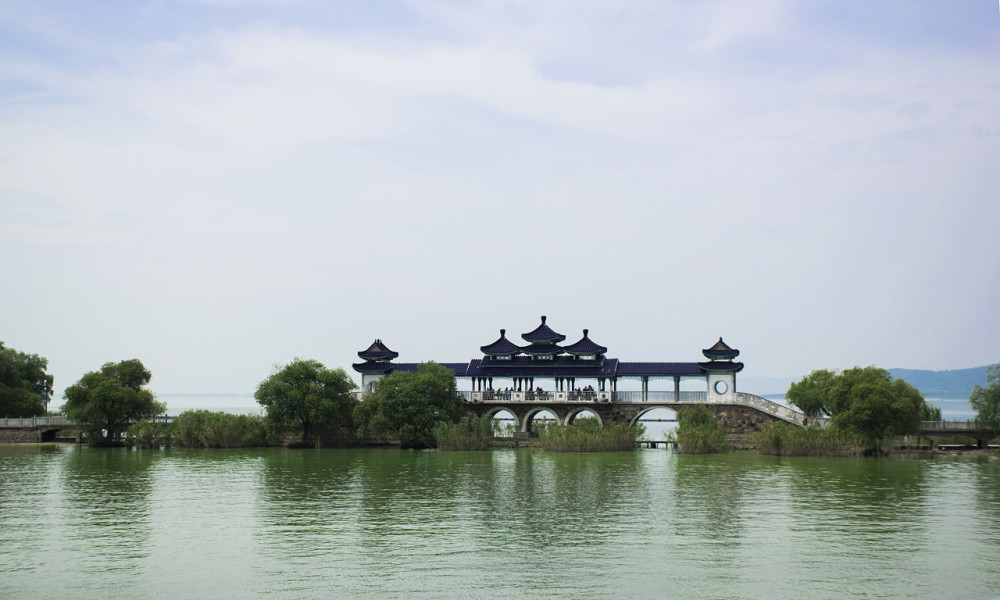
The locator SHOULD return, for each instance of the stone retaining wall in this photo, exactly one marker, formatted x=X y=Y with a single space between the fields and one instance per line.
x=19 y=436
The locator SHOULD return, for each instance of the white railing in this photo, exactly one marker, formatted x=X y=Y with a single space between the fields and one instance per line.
x=35 y=421
x=59 y=420
x=949 y=426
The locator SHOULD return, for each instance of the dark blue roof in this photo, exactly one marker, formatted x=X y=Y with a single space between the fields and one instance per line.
x=585 y=346
x=720 y=350
x=543 y=349
x=658 y=368
x=726 y=365
x=542 y=334
x=373 y=367
x=378 y=351
x=502 y=346
x=561 y=366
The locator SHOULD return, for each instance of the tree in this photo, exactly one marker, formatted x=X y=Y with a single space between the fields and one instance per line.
x=986 y=401
x=407 y=406
x=304 y=394
x=868 y=402
x=113 y=397
x=811 y=394
x=25 y=387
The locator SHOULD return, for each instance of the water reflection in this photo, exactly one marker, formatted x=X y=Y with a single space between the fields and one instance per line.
x=405 y=524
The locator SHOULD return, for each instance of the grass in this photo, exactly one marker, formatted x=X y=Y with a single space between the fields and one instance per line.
x=699 y=432
x=587 y=435
x=467 y=434
x=200 y=429
x=783 y=439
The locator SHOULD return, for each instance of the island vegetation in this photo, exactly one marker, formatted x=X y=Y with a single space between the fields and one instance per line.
x=986 y=401
x=699 y=432
x=113 y=398
x=866 y=407
x=304 y=395
x=408 y=406
x=585 y=434
x=25 y=387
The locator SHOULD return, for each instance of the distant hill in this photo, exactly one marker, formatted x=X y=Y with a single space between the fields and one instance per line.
x=957 y=383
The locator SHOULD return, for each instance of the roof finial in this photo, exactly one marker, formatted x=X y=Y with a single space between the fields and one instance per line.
x=503 y=332
x=585 y=332
x=543 y=319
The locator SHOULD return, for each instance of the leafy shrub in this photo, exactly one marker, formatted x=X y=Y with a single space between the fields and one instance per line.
x=699 y=432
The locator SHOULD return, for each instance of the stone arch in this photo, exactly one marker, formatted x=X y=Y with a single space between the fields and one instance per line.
x=534 y=410
x=646 y=410
x=493 y=411
x=574 y=413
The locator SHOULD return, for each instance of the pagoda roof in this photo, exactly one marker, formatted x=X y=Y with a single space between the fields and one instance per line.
x=543 y=349
x=542 y=334
x=722 y=365
x=585 y=346
x=378 y=351
x=501 y=347
x=720 y=350
x=372 y=366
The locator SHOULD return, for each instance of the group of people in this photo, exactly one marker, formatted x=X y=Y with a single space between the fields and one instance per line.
x=587 y=393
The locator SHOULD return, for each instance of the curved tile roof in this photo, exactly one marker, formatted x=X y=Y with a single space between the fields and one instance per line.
x=720 y=350
x=501 y=347
x=378 y=351
x=543 y=334
x=585 y=346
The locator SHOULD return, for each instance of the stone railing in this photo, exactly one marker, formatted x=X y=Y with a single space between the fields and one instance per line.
x=35 y=421
x=949 y=426
x=27 y=422
x=770 y=407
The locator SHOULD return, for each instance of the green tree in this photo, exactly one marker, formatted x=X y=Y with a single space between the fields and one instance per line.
x=25 y=387
x=986 y=401
x=304 y=394
x=407 y=406
x=811 y=394
x=112 y=397
x=867 y=401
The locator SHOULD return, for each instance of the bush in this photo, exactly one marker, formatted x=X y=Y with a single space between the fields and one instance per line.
x=468 y=434
x=587 y=435
x=149 y=434
x=783 y=439
x=207 y=429
x=699 y=432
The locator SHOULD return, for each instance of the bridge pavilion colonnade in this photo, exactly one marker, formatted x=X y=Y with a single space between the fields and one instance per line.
x=510 y=372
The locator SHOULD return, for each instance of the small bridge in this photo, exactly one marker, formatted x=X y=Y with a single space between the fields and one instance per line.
x=45 y=429
x=936 y=430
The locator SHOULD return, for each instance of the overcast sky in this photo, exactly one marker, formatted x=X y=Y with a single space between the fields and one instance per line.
x=215 y=187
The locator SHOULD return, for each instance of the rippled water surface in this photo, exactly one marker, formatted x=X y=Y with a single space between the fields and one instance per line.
x=111 y=523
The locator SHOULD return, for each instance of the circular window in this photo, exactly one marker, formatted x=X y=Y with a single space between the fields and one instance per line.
x=721 y=387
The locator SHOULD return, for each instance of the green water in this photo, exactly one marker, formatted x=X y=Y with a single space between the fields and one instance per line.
x=85 y=523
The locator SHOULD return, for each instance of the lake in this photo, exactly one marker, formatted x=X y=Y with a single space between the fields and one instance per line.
x=385 y=523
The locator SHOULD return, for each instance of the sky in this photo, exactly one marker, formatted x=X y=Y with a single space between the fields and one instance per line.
x=217 y=187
